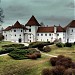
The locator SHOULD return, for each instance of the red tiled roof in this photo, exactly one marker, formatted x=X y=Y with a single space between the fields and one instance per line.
x=71 y=24
x=16 y=25
x=45 y=29
x=60 y=29
x=8 y=28
x=33 y=22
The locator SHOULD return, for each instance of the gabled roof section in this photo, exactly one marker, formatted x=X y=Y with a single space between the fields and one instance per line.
x=45 y=29
x=16 y=25
x=8 y=28
x=32 y=22
x=60 y=29
x=71 y=24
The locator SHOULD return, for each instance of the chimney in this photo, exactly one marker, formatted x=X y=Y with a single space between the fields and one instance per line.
x=55 y=29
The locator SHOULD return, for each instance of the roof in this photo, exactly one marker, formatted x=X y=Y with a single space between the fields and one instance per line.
x=8 y=28
x=71 y=24
x=45 y=29
x=60 y=29
x=50 y=29
x=32 y=22
x=16 y=25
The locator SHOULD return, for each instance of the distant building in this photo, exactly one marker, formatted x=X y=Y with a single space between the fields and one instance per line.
x=33 y=31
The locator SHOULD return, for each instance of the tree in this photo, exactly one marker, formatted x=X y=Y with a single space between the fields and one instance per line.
x=1 y=14
x=42 y=24
x=1 y=37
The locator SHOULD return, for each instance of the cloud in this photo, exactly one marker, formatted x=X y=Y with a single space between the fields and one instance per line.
x=71 y=5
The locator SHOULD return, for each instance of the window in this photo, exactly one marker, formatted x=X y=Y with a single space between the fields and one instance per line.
x=45 y=34
x=20 y=34
x=57 y=34
x=21 y=30
x=14 y=30
x=72 y=30
x=47 y=40
x=41 y=34
x=29 y=30
x=30 y=37
x=49 y=34
x=6 y=35
x=37 y=34
x=15 y=34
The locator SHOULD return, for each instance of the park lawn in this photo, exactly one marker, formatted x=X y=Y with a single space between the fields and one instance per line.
x=67 y=51
x=9 y=66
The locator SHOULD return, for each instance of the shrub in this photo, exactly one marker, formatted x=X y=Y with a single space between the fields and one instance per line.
x=60 y=45
x=68 y=72
x=66 y=62
x=58 y=70
x=39 y=44
x=25 y=47
x=6 y=50
x=38 y=54
x=73 y=65
x=23 y=54
x=68 y=44
x=47 y=49
x=46 y=71
x=33 y=56
x=13 y=45
x=53 y=61
x=60 y=57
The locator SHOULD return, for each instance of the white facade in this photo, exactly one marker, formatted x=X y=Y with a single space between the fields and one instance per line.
x=32 y=33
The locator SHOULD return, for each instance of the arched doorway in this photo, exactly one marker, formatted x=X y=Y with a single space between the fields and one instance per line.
x=20 y=40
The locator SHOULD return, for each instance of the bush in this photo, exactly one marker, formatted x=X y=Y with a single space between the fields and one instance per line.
x=23 y=54
x=6 y=50
x=73 y=65
x=68 y=72
x=60 y=45
x=33 y=56
x=66 y=62
x=60 y=57
x=47 y=49
x=53 y=61
x=25 y=47
x=13 y=45
x=68 y=44
x=58 y=70
x=38 y=54
x=39 y=44
x=46 y=71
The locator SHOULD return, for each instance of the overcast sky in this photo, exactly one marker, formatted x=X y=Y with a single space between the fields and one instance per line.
x=50 y=12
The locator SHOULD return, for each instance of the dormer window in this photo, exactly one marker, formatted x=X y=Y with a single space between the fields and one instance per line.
x=14 y=30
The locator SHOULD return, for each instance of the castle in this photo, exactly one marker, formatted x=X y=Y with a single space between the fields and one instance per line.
x=32 y=31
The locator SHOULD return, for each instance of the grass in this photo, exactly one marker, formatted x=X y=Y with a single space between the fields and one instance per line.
x=67 y=51
x=5 y=43
x=9 y=66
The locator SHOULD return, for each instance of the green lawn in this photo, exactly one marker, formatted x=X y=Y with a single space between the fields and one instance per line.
x=67 y=51
x=5 y=43
x=9 y=66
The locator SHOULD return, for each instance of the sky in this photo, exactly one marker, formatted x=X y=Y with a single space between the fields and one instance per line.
x=50 y=12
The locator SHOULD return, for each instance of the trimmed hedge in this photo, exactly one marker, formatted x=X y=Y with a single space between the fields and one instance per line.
x=22 y=53
x=39 y=44
x=60 y=45
x=68 y=44
x=6 y=50
x=13 y=45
